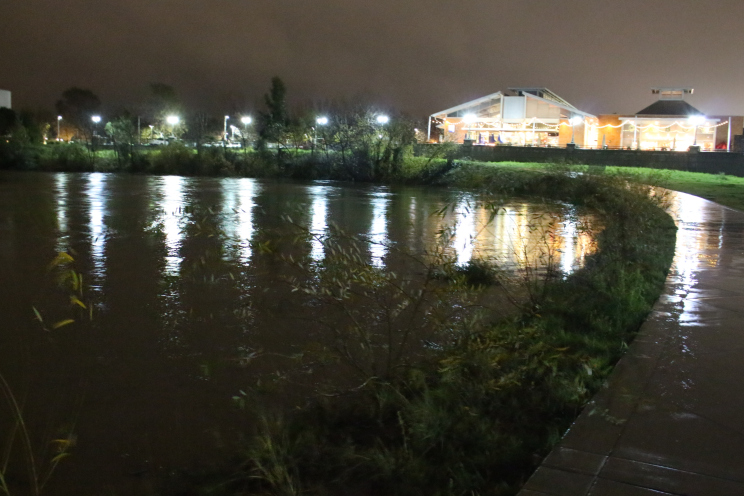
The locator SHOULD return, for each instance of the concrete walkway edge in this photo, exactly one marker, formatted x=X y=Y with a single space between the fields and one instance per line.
x=670 y=420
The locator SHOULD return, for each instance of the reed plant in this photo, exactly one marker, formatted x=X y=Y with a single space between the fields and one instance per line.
x=474 y=403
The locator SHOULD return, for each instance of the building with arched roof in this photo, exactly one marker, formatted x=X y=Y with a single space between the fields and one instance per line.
x=518 y=116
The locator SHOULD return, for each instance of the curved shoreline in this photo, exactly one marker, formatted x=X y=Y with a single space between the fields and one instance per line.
x=669 y=418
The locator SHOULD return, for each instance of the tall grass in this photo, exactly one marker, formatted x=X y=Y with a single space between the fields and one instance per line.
x=474 y=409
x=19 y=452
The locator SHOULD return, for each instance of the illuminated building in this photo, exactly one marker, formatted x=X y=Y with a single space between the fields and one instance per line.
x=670 y=123
x=518 y=116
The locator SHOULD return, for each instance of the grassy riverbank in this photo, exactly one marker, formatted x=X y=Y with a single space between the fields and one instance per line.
x=400 y=166
x=475 y=414
x=480 y=406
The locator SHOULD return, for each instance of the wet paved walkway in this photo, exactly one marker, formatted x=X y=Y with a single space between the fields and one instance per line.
x=671 y=420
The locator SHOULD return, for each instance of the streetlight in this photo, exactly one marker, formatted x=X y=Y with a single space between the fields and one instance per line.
x=59 y=118
x=172 y=121
x=245 y=120
x=575 y=121
x=96 y=119
x=224 y=129
x=383 y=119
x=320 y=121
x=696 y=120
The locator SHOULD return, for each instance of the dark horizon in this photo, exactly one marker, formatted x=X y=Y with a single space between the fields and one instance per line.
x=417 y=57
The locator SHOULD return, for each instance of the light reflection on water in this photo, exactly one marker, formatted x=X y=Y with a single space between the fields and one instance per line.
x=378 y=229
x=239 y=201
x=695 y=247
x=318 y=223
x=516 y=236
x=97 y=205
x=175 y=340
x=171 y=191
x=60 y=181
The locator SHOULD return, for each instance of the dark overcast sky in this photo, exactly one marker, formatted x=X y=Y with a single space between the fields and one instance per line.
x=419 y=56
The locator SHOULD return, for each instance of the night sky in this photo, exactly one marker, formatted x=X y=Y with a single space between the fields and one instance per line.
x=413 y=55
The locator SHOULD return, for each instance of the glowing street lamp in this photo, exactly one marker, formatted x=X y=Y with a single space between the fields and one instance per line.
x=246 y=119
x=320 y=121
x=172 y=120
x=469 y=118
x=696 y=120
x=59 y=118
x=575 y=121
x=383 y=119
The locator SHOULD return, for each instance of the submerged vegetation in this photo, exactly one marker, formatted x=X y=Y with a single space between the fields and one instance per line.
x=472 y=404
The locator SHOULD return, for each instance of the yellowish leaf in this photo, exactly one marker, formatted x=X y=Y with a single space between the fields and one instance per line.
x=61 y=258
x=62 y=323
x=76 y=301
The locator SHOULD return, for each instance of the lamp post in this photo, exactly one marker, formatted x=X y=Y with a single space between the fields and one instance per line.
x=381 y=119
x=575 y=121
x=172 y=121
x=320 y=121
x=224 y=128
x=245 y=120
x=96 y=119
x=59 y=118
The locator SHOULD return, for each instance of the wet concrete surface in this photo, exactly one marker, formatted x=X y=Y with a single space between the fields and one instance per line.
x=671 y=419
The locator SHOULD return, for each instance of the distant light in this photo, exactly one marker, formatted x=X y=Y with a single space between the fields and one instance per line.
x=172 y=120
x=469 y=118
x=576 y=120
x=59 y=117
x=383 y=119
x=227 y=117
x=246 y=120
x=322 y=121
x=697 y=119
x=96 y=118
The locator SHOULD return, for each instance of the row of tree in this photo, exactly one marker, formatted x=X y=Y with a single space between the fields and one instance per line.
x=276 y=125
x=352 y=135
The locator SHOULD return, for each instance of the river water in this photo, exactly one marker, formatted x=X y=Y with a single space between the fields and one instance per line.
x=184 y=291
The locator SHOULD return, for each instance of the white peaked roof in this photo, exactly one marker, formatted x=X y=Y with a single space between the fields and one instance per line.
x=547 y=96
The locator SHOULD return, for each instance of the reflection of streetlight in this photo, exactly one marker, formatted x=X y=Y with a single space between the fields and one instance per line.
x=59 y=118
x=575 y=121
x=696 y=120
x=224 y=129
